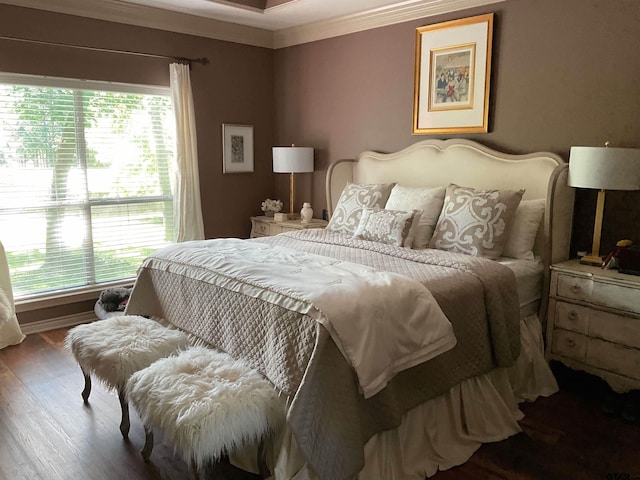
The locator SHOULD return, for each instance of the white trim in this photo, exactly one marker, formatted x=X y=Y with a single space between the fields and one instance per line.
x=380 y=17
x=143 y=16
x=58 y=322
x=38 y=302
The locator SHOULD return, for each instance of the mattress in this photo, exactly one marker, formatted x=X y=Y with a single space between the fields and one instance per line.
x=529 y=277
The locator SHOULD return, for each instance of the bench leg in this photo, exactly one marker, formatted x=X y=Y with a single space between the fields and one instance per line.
x=263 y=469
x=87 y=387
x=124 y=406
x=195 y=471
x=148 y=443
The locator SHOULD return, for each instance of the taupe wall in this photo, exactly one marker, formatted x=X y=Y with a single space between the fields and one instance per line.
x=236 y=87
x=565 y=72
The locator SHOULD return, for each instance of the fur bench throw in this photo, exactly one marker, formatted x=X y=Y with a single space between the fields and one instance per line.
x=206 y=402
x=115 y=348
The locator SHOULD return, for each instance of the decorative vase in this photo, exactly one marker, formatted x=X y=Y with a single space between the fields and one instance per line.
x=269 y=213
x=306 y=213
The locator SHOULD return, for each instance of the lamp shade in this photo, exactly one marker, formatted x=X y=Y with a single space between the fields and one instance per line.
x=292 y=159
x=604 y=168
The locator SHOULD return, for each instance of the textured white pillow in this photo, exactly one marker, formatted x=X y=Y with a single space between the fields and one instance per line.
x=475 y=222
x=355 y=197
x=385 y=226
x=429 y=200
x=524 y=230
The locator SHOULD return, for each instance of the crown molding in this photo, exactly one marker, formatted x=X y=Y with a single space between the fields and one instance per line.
x=380 y=17
x=143 y=16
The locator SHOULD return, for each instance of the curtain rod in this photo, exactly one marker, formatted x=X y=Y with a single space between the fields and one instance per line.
x=201 y=60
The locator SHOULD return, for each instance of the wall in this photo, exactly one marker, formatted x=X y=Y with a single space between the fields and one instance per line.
x=236 y=87
x=564 y=73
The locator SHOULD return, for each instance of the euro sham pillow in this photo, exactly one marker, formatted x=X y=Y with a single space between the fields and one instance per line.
x=429 y=200
x=475 y=222
x=391 y=227
x=355 y=197
x=524 y=230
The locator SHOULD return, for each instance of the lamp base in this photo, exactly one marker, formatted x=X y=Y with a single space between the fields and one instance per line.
x=293 y=216
x=591 y=259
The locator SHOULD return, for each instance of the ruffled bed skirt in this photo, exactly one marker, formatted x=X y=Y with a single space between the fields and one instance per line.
x=447 y=430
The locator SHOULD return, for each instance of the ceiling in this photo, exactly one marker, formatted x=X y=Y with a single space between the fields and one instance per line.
x=263 y=23
x=270 y=15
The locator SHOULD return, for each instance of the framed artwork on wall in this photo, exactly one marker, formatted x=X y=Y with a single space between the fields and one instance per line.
x=452 y=72
x=237 y=148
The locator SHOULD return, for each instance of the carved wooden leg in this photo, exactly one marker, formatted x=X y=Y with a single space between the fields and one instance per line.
x=263 y=469
x=124 y=424
x=148 y=443
x=87 y=387
x=196 y=471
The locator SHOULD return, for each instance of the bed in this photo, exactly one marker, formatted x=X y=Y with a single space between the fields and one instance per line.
x=423 y=407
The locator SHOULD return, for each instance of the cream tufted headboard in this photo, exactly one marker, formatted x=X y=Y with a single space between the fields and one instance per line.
x=432 y=163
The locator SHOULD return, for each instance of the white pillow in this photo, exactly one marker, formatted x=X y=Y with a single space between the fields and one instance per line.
x=391 y=227
x=524 y=230
x=429 y=200
x=355 y=197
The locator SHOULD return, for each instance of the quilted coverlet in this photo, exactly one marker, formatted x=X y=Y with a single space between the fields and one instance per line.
x=298 y=355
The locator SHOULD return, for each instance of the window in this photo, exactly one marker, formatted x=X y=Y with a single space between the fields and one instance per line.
x=85 y=188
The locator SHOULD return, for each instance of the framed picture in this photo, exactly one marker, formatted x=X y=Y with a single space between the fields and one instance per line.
x=237 y=148
x=453 y=67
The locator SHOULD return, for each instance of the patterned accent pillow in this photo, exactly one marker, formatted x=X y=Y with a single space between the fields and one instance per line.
x=475 y=222
x=355 y=197
x=429 y=200
x=385 y=226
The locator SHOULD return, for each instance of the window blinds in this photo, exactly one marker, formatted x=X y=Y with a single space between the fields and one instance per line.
x=85 y=171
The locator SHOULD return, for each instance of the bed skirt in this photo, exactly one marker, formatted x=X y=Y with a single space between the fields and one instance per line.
x=445 y=431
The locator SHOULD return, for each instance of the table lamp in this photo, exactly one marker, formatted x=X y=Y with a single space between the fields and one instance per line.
x=603 y=168
x=292 y=160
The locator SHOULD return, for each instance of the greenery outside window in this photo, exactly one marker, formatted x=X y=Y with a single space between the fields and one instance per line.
x=85 y=190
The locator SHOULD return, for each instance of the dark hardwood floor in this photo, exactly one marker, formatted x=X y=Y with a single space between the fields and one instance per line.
x=47 y=433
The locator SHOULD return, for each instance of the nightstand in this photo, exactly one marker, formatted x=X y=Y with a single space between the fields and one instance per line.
x=266 y=226
x=594 y=323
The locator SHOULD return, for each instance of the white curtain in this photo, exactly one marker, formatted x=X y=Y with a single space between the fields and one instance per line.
x=187 y=207
x=10 y=333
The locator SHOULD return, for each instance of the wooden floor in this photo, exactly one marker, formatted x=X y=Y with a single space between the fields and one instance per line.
x=47 y=433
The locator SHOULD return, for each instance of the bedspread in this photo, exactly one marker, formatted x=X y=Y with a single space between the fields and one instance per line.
x=298 y=355
x=382 y=322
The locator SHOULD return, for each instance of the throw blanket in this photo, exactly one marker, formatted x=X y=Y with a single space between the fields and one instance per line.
x=382 y=322
x=298 y=355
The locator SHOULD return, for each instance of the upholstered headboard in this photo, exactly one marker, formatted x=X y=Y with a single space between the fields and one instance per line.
x=432 y=163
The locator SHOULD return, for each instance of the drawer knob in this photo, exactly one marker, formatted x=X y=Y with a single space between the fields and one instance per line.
x=572 y=315
x=576 y=288
x=571 y=342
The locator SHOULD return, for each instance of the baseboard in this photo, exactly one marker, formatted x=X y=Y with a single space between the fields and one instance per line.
x=58 y=322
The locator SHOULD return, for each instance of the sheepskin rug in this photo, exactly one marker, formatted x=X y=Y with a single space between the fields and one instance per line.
x=115 y=348
x=206 y=402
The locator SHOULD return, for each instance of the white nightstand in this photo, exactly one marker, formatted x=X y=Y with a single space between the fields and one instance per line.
x=594 y=323
x=267 y=226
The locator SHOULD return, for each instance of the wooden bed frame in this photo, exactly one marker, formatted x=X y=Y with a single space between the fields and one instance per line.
x=433 y=163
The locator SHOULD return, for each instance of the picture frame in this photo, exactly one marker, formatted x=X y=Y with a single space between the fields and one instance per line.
x=452 y=76
x=237 y=148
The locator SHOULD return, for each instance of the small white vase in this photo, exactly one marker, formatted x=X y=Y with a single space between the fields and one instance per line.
x=306 y=213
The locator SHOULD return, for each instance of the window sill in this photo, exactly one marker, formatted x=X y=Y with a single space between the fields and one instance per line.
x=38 y=302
